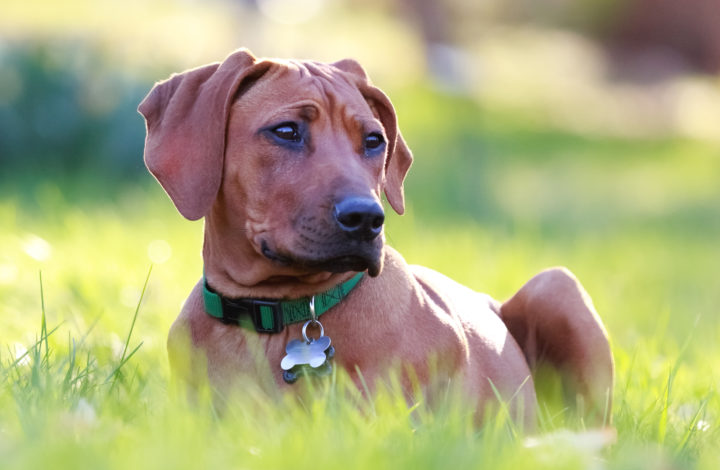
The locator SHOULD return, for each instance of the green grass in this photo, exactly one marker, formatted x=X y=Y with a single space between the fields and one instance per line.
x=491 y=201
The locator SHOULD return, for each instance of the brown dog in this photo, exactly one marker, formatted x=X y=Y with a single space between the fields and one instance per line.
x=287 y=160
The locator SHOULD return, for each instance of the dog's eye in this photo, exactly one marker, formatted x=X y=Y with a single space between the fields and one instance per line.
x=287 y=131
x=374 y=141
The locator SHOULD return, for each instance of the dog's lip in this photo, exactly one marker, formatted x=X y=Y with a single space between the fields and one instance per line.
x=336 y=264
x=274 y=256
x=341 y=264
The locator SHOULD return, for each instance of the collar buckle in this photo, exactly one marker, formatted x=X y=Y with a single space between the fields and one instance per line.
x=267 y=316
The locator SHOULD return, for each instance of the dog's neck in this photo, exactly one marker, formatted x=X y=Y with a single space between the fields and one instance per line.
x=235 y=269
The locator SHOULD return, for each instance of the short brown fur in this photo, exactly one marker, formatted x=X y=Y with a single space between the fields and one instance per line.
x=269 y=233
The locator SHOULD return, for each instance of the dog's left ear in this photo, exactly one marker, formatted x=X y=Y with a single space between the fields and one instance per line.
x=399 y=157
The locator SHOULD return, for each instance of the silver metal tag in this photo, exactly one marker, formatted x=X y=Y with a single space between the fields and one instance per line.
x=308 y=356
x=300 y=352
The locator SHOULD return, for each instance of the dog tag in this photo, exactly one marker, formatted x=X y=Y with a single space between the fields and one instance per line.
x=300 y=352
x=308 y=356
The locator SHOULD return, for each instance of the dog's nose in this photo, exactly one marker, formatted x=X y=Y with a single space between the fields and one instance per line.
x=359 y=217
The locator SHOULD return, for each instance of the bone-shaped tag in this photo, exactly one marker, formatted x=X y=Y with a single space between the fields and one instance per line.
x=300 y=352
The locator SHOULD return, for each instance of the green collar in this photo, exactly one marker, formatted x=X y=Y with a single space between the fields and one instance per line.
x=271 y=316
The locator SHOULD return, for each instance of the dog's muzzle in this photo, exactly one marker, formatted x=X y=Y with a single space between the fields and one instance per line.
x=348 y=239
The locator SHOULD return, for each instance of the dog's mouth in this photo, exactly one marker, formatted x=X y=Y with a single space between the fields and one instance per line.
x=343 y=264
x=369 y=259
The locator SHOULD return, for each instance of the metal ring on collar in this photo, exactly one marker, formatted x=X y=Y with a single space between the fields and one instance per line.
x=304 y=330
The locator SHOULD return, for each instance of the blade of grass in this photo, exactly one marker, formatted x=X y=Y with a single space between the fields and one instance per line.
x=667 y=396
x=43 y=320
x=662 y=423
x=18 y=359
x=692 y=428
x=123 y=359
x=366 y=389
x=67 y=380
x=116 y=370
x=506 y=417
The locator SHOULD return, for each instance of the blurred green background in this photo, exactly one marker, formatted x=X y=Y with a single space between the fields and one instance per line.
x=586 y=123
x=584 y=134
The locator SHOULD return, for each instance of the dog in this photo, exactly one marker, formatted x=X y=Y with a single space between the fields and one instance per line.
x=287 y=162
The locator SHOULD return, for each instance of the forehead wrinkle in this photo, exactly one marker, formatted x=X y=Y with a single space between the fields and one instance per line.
x=308 y=85
x=330 y=81
x=325 y=90
x=307 y=109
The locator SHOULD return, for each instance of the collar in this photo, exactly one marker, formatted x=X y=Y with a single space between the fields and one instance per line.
x=271 y=315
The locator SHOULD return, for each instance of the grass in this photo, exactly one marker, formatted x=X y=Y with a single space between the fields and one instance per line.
x=84 y=380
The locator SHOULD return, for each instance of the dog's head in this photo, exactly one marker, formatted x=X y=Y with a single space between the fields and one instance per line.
x=293 y=155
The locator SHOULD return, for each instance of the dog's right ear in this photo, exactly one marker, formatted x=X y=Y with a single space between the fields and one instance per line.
x=186 y=118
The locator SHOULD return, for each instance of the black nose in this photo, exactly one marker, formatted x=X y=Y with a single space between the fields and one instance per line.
x=360 y=217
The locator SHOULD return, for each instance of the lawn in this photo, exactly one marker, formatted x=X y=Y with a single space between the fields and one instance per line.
x=492 y=199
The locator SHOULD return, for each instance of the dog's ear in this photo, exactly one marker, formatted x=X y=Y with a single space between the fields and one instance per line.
x=399 y=157
x=352 y=66
x=186 y=117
